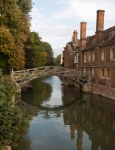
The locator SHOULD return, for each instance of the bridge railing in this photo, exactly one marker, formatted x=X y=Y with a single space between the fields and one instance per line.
x=24 y=76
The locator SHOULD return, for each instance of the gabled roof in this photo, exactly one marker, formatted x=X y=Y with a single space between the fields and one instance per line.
x=90 y=42
x=106 y=40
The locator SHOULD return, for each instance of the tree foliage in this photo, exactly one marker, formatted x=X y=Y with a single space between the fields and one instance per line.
x=48 y=49
x=57 y=60
x=22 y=47
x=14 y=16
x=11 y=118
x=37 y=53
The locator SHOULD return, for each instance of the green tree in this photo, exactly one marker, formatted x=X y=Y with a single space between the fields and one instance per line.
x=14 y=15
x=35 y=47
x=57 y=60
x=37 y=52
x=7 y=48
x=48 y=49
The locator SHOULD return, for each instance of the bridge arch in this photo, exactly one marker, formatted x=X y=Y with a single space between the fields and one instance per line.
x=22 y=77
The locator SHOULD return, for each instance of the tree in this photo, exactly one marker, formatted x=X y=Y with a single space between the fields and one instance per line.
x=11 y=118
x=35 y=47
x=7 y=48
x=57 y=60
x=14 y=15
x=48 y=49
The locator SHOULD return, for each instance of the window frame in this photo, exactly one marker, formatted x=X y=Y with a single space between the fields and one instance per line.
x=103 y=55
x=112 y=53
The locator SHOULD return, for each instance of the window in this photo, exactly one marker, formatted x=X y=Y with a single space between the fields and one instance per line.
x=93 y=56
x=112 y=53
x=76 y=58
x=84 y=70
x=111 y=34
x=93 y=41
x=103 y=55
x=92 y=72
x=85 y=57
x=89 y=57
x=108 y=73
x=102 y=73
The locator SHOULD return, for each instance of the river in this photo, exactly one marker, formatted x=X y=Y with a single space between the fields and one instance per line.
x=63 y=118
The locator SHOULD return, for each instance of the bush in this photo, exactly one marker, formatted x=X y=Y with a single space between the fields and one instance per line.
x=11 y=118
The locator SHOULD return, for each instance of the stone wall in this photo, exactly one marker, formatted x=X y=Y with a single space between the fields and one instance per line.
x=105 y=91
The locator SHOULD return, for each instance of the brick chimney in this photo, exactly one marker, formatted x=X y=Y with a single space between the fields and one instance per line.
x=82 y=41
x=74 y=38
x=100 y=20
x=82 y=34
x=99 y=34
x=100 y=26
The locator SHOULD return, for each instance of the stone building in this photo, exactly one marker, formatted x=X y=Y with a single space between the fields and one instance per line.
x=94 y=54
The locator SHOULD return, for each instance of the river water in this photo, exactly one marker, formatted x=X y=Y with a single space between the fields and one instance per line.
x=65 y=119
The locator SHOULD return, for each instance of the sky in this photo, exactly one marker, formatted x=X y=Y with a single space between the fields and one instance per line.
x=55 y=20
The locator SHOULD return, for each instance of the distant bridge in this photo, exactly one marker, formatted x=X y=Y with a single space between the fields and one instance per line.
x=24 y=76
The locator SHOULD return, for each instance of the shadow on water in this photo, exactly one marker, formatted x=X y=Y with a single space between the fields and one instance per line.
x=80 y=122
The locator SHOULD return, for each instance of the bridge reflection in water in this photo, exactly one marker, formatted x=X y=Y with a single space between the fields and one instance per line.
x=89 y=115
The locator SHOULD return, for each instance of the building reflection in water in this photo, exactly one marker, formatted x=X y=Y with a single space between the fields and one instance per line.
x=96 y=117
x=90 y=114
x=85 y=114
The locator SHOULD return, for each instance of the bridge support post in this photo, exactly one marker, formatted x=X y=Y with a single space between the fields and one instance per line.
x=86 y=88
x=17 y=96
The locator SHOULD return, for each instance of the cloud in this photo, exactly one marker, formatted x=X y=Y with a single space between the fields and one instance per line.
x=36 y=14
x=58 y=50
x=56 y=25
x=42 y=8
x=87 y=9
x=62 y=2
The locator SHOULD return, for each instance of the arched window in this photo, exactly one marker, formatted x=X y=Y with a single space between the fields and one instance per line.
x=112 y=53
x=89 y=57
x=102 y=73
x=93 y=56
x=103 y=55
x=108 y=73
x=85 y=57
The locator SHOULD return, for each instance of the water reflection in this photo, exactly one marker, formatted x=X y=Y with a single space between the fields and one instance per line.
x=83 y=122
x=40 y=92
x=56 y=94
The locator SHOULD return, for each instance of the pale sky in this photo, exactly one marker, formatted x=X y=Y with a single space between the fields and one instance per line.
x=55 y=20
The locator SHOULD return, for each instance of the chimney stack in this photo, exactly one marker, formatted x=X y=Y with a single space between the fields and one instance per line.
x=83 y=30
x=82 y=41
x=83 y=34
x=74 y=38
x=100 y=26
x=100 y=20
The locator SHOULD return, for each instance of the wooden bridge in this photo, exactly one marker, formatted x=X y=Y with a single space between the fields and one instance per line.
x=23 y=76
